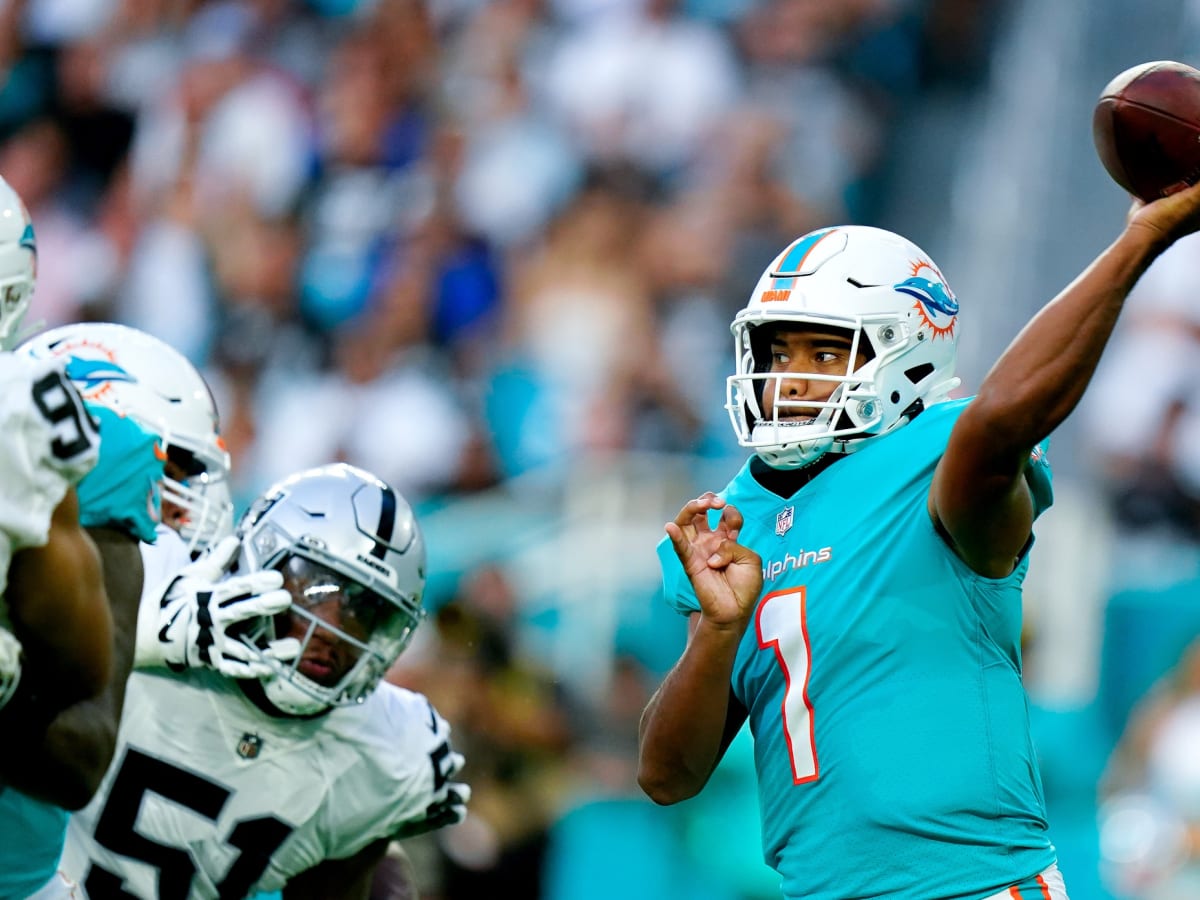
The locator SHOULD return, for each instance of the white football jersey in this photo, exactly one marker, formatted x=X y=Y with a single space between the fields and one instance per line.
x=161 y=562
x=47 y=443
x=208 y=796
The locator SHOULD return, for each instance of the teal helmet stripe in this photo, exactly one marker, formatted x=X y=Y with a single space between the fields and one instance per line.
x=28 y=240
x=794 y=258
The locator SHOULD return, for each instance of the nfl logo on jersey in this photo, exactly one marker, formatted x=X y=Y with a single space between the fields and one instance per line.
x=249 y=746
x=783 y=521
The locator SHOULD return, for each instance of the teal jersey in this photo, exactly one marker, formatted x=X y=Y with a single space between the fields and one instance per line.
x=882 y=678
x=31 y=843
x=124 y=489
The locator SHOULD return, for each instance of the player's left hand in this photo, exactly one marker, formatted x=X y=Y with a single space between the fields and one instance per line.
x=191 y=626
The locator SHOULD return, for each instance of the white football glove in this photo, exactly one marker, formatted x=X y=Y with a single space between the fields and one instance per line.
x=449 y=809
x=191 y=627
x=449 y=804
x=10 y=665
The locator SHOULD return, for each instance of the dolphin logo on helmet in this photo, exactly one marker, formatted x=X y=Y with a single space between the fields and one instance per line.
x=91 y=373
x=933 y=294
x=935 y=302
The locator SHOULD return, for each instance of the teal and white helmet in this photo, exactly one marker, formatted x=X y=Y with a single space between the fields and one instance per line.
x=18 y=264
x=336 y=533
x=893 y=301
x=136 y=374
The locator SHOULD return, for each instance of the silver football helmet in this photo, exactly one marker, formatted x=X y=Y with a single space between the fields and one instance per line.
x=136 y=374
x=18 y=264
x=337 y=533
x=888 y=295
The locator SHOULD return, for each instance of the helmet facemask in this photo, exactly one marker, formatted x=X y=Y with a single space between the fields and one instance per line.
x=369 y=632
x=195 y=482
x=15 y=296
x=337 y=534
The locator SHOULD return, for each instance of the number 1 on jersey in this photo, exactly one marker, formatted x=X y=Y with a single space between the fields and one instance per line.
x=782 y=627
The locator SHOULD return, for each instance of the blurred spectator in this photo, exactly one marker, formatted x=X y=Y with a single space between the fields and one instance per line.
x=1151 y=818
x=374 y=187
x=36 y=160
x=642 y=85
x=391 y=408
x=489 y=70
x=1142 y=421
x=97 y=131
x=687 y=250
x=1143 y=410
x=27 y=90
x=830 y=133
x=238 y=127
x=513 y=725
x=580 y=326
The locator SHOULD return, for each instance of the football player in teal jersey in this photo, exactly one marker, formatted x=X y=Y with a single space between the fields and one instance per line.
x=854 y=593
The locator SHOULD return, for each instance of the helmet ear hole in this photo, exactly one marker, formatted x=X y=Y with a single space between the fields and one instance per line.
x=917 y=374
x=866 y=347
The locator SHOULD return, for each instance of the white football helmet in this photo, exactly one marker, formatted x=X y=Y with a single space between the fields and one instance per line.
x=18 y=264
x=337 y=531
x=883 y=290
x=138 y=375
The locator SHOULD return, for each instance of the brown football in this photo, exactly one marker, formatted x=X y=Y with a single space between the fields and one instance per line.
x=1147 y=128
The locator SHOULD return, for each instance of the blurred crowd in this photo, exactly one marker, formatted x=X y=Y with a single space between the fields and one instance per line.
x=1142 y=422
x=458 y=242
x=451 y=240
